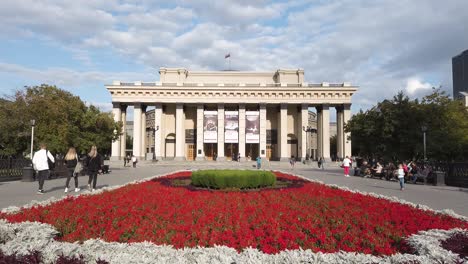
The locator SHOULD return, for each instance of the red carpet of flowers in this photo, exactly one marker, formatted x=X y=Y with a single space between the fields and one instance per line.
x=313 y=217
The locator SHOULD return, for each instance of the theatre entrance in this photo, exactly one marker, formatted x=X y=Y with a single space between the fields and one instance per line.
x=210 y=151
x=251 y=151
x=231 y=150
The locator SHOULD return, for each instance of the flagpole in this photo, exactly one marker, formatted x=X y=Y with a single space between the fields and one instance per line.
x=229 y=61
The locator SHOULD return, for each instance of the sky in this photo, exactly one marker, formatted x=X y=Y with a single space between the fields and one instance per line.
x=382 y=46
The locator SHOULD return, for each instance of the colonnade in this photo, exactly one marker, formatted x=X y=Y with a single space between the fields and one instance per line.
x=289 y=123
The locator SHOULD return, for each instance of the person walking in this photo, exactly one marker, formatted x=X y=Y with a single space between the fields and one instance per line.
x=40 y=162
x=134 y=161
x=259 y=162
x=94 y=165
x=346 y=164
x=322 y=163
x=401 y=176
x=71 y=161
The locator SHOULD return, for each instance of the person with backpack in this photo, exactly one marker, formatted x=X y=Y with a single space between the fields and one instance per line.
x=71 y=161
x=43 y=161
x=94 y=165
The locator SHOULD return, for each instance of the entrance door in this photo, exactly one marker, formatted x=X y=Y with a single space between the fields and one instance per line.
x=191 y=152
x=251 y=151
x=210 y=150
x=231 y=150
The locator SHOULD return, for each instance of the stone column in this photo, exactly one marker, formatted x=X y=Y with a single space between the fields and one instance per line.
x=304 y=123
x=263 y=113
x=200 y=149
x=143 y=131
x=339 y=132
x=220 y=152
x=123 y=137
x=180 y=132
x=115 y=148
x=137 y=131
x=242 y=130
x=325 y=138
x=157 y=133
x=319 y=132
x=347 y=142
x=283 y=132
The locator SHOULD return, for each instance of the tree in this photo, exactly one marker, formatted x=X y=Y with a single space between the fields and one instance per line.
x=62 y=120
x=392 y=128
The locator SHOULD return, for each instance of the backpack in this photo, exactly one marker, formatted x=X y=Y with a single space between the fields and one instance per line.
x=50 y=162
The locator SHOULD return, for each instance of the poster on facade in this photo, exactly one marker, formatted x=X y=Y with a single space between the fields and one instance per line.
x=252 y=127
x=210 y=126
x=231 y=127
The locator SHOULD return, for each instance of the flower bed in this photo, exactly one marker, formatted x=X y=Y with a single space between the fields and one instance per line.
x=313 y=217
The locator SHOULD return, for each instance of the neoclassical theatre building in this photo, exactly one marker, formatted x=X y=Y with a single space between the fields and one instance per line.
x=206 y=115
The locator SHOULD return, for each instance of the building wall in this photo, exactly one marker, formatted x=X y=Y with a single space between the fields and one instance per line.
x=460 y=74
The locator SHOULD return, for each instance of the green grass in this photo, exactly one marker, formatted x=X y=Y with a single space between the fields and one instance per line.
x=240 y=179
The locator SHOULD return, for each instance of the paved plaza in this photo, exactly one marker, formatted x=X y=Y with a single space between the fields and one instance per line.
x=437 y=197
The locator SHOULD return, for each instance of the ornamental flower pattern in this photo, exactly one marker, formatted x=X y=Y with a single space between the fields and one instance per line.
x=315 y=216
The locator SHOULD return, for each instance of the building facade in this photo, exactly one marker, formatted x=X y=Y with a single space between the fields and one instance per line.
x=206 y=115
x=460 y=74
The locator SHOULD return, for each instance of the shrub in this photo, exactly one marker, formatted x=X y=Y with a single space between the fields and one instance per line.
x=240 y=179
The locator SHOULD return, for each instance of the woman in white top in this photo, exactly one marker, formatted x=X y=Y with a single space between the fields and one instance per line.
x=401 y=176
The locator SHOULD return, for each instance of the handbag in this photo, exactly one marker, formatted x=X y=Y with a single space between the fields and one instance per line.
x=78 y=167
x=50 y=162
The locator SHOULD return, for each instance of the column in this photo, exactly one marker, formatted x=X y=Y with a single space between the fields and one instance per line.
x=115 y=149
x=263 y=118
x=200 y=149
x=143 y=131
x=137 y=131
x=319 y=132
x=339 y=132
x=123 y=137
x=347 y=136
x=180 y=132
x=220 y=133
x=283 y=132
x=157 y=133
x=304 y=118
x=242 y=130
x=325 y=127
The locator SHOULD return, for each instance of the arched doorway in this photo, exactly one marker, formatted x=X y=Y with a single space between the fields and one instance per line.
x=169 y=144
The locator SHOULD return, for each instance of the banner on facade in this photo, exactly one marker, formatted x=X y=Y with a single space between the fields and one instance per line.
x=231 y=127
x=210 y=126
x=252 y=127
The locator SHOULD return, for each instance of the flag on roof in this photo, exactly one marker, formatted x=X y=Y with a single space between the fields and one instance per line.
x=227 y=55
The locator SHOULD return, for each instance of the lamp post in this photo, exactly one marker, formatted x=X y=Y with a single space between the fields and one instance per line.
x=156 y=128
x=424 y=129
x=33 y=123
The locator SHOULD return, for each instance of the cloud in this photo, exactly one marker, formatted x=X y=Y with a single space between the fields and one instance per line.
x=379 y=45
x=414 y=85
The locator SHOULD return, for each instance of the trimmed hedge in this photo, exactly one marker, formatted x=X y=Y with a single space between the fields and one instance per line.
x=241 y=179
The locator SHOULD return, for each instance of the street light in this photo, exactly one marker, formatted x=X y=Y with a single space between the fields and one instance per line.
x=424 y=129
x=154 y=141
x=33 y=122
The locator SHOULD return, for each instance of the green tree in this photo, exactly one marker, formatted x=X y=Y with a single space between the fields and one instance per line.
x=62 y=120
x=392 y=128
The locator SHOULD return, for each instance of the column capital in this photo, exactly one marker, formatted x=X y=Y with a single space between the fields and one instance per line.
x=242 y=105
x=123 y=107
x=116 y=105
x=221 y=106
x=347 y=106
x=137 y=105
x=262 y=105
x=283 y=106
x=304 y=106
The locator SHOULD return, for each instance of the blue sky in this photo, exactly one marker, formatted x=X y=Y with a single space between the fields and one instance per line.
x=382 y=46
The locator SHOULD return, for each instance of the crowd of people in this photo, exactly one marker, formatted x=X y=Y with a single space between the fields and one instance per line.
x=405 y=172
